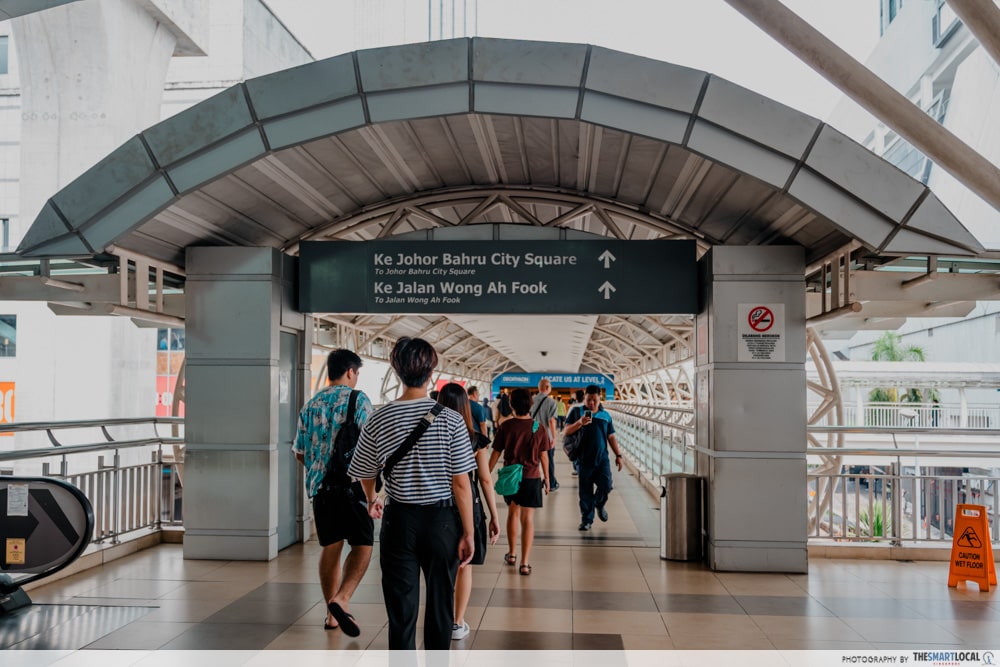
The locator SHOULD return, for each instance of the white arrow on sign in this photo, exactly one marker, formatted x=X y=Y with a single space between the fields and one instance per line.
x=607 y=288
x=607 y=258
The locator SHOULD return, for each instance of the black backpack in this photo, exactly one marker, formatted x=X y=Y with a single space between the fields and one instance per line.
x=503 y=406
x=343 y=447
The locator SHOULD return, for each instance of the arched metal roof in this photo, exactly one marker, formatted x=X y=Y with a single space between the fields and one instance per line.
x=583 y=138
x=536 y=138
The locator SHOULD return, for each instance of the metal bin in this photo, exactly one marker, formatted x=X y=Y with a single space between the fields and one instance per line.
x=681 y=517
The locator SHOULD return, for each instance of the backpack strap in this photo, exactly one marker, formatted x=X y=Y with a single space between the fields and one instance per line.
x=411 y=440
x=352 y=403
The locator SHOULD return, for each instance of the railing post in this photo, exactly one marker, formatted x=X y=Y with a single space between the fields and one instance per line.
x=116 y=508
x=897 y=504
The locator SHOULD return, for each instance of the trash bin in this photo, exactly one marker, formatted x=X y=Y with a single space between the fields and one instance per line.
x=680 y=516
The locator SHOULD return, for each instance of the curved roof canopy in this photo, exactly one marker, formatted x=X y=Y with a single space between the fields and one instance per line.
x=488 y=138
x=398 y=139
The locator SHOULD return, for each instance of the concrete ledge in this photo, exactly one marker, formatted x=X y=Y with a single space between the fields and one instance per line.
x=929 y=551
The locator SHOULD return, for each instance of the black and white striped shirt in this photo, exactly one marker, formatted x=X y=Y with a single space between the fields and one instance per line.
x=425 y=474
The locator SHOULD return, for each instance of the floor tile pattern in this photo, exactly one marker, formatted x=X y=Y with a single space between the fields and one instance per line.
x=602 y=590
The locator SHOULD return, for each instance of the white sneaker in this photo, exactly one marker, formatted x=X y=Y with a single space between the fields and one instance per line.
x=459 y=631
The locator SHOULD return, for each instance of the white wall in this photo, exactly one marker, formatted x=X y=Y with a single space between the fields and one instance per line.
x=70 y=368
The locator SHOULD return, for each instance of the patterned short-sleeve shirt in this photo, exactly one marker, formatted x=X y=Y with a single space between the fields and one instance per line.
x=319 y=421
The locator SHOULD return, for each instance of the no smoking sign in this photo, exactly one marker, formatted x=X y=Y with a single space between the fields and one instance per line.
x=761 y=319
x=761 y=335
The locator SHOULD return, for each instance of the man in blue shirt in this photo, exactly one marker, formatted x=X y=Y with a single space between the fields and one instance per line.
x=479 y=416
x=595 y=468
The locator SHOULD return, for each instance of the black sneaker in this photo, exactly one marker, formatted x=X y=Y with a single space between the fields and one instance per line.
x=584 y=526
x=602 y=514
x=554 y=486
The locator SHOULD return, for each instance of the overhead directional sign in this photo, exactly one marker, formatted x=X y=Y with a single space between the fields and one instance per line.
x=551 y=277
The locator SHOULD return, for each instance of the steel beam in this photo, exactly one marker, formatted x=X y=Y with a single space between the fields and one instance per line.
x=983 y=21
x=864 y=87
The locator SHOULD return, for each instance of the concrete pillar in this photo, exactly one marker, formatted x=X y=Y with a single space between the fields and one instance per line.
x=751 y=407
x=91 y=75
x=239 y=300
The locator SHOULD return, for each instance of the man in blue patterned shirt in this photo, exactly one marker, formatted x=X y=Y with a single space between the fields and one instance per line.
x=340 y=512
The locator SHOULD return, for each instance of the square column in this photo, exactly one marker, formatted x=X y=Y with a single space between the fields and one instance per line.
x=751 y=407
x=238 y=301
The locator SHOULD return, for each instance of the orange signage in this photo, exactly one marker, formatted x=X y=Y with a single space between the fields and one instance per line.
x=971 y=549
x=6 y=404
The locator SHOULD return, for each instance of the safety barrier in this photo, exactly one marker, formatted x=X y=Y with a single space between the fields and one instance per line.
x=132 y=484
x=657 y=439
x=904 y=489
x=922 y=415
x=886 y=485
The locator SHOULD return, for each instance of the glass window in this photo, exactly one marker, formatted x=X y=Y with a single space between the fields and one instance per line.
x=4 y=42
x=5 y=234
x=170 y=339
x=8 y=335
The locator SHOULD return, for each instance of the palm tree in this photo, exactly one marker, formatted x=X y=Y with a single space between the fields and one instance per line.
x=889 y=347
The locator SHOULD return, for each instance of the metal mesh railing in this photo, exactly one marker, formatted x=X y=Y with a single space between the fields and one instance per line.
x=132 y=484
x=895 y=485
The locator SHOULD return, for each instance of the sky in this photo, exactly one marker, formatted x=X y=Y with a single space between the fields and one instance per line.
x=703 y=34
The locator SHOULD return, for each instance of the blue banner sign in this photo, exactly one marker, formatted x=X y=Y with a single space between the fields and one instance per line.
x=558 y=380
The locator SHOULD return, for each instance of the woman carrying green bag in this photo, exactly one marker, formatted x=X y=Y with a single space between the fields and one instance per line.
x=521 y=445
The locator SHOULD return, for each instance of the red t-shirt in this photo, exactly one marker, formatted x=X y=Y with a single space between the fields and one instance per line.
x=519 y=445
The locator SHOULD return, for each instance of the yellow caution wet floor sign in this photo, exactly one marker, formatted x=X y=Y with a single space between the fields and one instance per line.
x=971 y=549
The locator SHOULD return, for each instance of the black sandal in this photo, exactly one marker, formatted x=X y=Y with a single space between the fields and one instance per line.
x=510 y=559
x=525 y=569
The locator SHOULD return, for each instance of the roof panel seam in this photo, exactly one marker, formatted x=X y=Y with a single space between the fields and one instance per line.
x=906 y=218
x=583 y=82
x=254 y=119
x=157 y=168
x=800 y=163
x=361 y=91
x=695 y=111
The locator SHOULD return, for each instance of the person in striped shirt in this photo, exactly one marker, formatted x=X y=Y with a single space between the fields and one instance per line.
x=427 y=519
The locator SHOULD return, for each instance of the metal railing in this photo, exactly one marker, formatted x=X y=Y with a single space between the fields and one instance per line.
x=659 y=440
x=903 y=489
x=923 y=415
x=132 y=484
x=901 y=486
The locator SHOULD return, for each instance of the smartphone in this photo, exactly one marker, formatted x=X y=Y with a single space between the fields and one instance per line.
x=588 y=413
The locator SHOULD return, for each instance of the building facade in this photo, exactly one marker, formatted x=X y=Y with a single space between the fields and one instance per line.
x=59 y=368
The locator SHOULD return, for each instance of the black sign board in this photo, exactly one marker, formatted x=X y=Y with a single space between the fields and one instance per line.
x=548 y=277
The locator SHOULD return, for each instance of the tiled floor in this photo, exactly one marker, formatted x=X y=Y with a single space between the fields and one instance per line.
x=606 y=589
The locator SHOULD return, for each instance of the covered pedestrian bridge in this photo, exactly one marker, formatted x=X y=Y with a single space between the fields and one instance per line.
x=198 y=221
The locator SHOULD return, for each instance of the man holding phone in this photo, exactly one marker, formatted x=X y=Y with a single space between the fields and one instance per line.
x=595 y=467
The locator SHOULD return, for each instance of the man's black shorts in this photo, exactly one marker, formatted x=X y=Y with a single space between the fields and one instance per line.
x=342 y=516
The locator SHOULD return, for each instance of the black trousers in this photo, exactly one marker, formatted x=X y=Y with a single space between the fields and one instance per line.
x=415 y=539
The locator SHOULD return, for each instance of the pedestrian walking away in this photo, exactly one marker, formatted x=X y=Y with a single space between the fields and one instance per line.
x=423 y=451
x=543 y=410
x=520 y=442
x=328 y=431
x=453 y=396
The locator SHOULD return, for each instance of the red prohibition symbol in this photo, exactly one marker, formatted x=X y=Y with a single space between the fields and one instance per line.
x=760 y=318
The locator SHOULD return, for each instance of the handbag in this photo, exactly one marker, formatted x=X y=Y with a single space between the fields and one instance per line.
x=509 y=479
